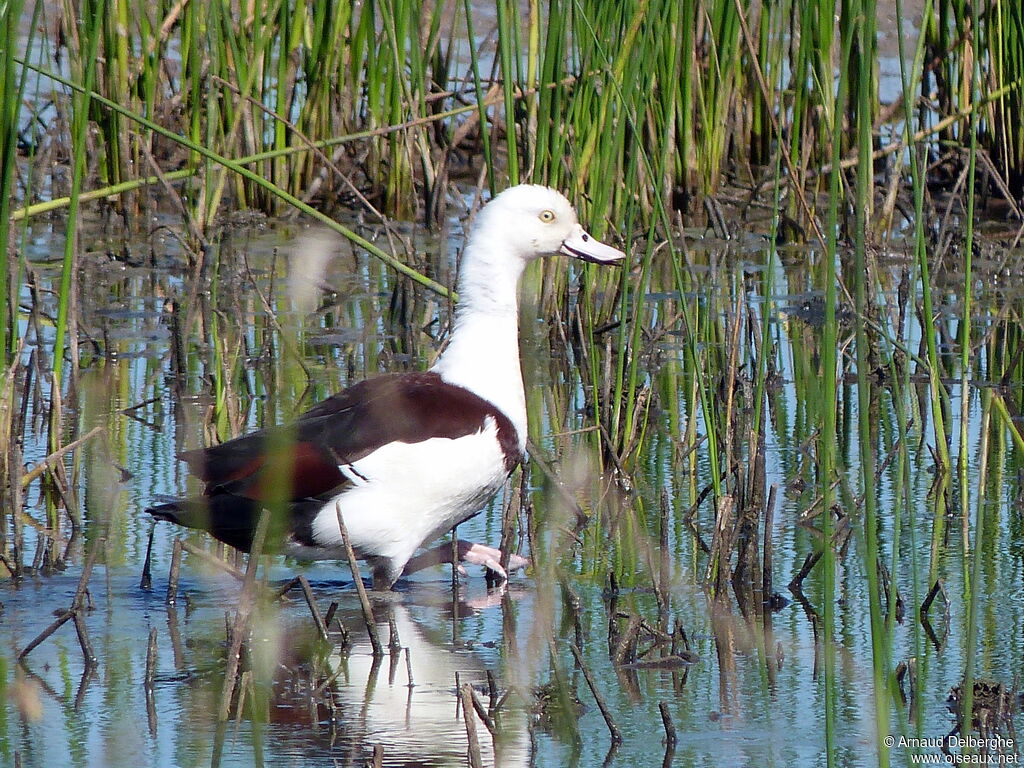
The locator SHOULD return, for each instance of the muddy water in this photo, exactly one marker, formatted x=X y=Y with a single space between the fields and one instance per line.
x=750 y=697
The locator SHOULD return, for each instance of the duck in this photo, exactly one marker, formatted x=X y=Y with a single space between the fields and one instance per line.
x=403 y=458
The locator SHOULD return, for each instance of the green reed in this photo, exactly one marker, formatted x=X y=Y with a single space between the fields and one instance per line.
x=478 y=91
x=995 y=40
x=910 y=71
x=12 y=88
x=508 y=47
x=1005 y=39
x=829 y=434
x=573 y=111
x=90 y=36
x=11 y=92
x=972 y=569
x=911 y=77
x=863 y=97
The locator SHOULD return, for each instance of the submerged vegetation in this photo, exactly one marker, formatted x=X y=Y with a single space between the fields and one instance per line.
x=812 y=375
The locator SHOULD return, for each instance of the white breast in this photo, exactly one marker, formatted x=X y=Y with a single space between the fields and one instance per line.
x=407 y=494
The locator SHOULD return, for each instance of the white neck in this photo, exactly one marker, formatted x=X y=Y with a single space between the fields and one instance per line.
x=483 y=352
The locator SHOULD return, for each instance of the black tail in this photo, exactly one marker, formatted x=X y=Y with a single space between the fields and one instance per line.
x=229 y=518
x=233 y=519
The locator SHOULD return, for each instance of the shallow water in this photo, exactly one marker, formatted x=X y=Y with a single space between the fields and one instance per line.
x=751 y=698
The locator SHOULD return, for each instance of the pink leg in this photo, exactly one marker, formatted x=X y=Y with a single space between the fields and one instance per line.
x=475 y=554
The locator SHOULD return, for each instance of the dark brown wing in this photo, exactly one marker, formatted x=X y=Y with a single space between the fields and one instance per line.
x=307 y=455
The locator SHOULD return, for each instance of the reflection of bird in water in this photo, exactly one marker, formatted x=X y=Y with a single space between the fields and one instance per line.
x=369 y=701
x=417 y=725
x=405 y=457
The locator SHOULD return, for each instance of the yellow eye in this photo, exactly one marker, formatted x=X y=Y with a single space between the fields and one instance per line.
x=547 y=216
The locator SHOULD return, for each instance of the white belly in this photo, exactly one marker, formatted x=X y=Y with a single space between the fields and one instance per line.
x=405 y=495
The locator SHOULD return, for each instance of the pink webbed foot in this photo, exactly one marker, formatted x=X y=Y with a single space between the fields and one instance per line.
x=489 y=558
x=468 y=552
